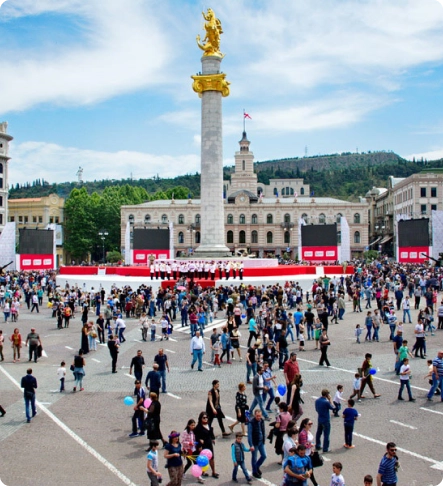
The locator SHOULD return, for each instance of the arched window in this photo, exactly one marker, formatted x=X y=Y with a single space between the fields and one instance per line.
x=197 y=219
x=164 y=218
x=230 y=219
x=304 y=217
x=259 y=191
x=254 y=219
x=242 y=237
x=321 y=218
x=356 y=218
x=302 y=191
x=243 y=165
x=287 y=237
x=254 y=237
x=181 y=238
x=287 y=218
x=357 y=237
x=338 y=218
x=269 y=237
x=197 y=237
x=147 y=218
x=230 y=237
x=131 y=218
x=1 y=168
x=269 y=219
x=275 y=191
x=181 y=219
x=339 y=237
x=242 y=219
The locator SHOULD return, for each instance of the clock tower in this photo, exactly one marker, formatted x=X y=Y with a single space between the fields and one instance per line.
x=244 y=177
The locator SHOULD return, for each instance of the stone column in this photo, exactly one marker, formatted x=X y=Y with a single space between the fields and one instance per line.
x=211 y=86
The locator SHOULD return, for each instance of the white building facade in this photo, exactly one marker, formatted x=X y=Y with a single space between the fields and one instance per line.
x=4 y=150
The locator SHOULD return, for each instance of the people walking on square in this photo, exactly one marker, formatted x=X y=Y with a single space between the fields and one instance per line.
x=368 y=324
x=238 y=450
x=256 y=440
x=197 y=348
x=153 y=380
x=137 y=364
x=61 y=373
x=29 y=385
x=138 y=416
x=79 y=371
x=367 y=376
x=350 y=415
x=113 y=351
x=251 y=363
x=84 y=344
x=204 y=434
x=213 y=407
x=405 y=372
x=33 y=341
x=324 y=343
x=437 y=376
x=322 y=406
x=388 y=467
x=16 y=340
x=153 y=419
x=152 y=463
x=290 y=369
x=306 y=438
x=259 y=390
x=241 y=406
x=173 y=455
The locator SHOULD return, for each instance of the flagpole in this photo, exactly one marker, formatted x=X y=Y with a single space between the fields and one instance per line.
x=244 y=121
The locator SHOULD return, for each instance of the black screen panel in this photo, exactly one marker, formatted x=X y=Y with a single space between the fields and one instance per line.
x=151 y=239
x=35 y=242
x=413 y=232
x=319 y=235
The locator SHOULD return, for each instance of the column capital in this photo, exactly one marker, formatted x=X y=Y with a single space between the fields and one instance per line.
x=211 y=82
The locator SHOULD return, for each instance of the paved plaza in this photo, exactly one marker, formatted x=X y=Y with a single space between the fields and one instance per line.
x=82 y=438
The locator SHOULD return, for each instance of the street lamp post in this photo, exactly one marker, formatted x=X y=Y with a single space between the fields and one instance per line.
x=191 y=229
x=103 y=234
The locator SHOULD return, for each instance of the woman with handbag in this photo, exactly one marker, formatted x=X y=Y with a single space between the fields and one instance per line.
x=77 y=368
x=92 y=336
x=16 y=340
x=241 y=405
x=152 y=422
x=306 y=438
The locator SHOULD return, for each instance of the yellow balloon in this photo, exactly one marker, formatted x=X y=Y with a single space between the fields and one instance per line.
x=205 y=468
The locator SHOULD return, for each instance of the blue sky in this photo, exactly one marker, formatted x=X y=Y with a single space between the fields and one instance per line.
x=106 y=84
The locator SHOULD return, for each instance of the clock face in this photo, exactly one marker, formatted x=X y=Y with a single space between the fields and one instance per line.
x=242 y=198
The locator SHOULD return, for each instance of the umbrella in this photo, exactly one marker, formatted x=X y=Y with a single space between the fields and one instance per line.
x=181 y=287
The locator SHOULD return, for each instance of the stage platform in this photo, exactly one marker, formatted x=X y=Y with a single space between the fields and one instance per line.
x=94 y=277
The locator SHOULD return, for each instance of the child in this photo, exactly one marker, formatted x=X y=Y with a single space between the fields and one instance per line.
x=238 y=450
x=350 y=415
x=61 y=373
x=301 y=337
x=338 y=397
x=216 y=349
x=356 y=386
x=152 y=464
x=368 y=480
x=400 y=326
x=164 y=323
x=403 y=352
x=405 y=372
x=337 y=479
x=358 y=333
x=153 y=328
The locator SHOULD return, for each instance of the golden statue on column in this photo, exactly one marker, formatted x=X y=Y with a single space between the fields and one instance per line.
x=213 y=28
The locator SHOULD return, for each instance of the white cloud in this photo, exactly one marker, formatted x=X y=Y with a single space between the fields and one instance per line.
x=431 y=155
x=197 y=140
x=54 y=163
x=121 y=49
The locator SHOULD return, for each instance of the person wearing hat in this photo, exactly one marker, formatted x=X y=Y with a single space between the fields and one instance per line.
x=173 y=455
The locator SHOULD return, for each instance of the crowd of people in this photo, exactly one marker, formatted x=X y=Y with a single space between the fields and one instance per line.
x=273 y=315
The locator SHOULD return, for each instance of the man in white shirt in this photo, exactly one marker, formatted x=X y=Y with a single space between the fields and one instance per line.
x=120 y=327
x=197 y=348
x=419 y=339
x=406 y=306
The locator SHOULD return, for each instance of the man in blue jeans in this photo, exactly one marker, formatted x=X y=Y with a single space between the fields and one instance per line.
x=162 y=360
x=29 y=385
x=437 y=376
x=322 y=407
x=197 y=350
x=256 y=439
x=259 y=389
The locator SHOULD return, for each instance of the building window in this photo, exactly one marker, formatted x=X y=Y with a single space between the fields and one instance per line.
x=1 y=182
x=422 y=191
x=164 y=218
x=433 y=192
x=433 y=207
x=357 y=237
x=287 y=237
x=242 y=237
x=254 y=237
x=11 y=219
x=230 y=219
x=1 y=218
x=269 y=219
x=269 y=237
x=131 y=219
x=304 y=217
x=147 y=218
x=287 y=218
x=259 y=192
x=51 y=219
x=242 y=219
x=197 y=219
x=321 y=218
x=302 y=191
x=197 y=237
x=356 y=218
x=254 y=219
x=181 y=219
x=1 y=166
x=275 y=191
x=57 y=220
x=338 y=218
x=1 y=201
x=40 y=219
x=339 y=237
x=423 y=208
x=243 y=165
x=34 y=219
x=20 y=219
x=181 y=238
x=230 y=237
x=26 y=219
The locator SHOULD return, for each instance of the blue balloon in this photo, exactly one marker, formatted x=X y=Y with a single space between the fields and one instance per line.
x=243 y=316
x=372 y=371
x=202 y=461
x=128 y=401
x=281 y=390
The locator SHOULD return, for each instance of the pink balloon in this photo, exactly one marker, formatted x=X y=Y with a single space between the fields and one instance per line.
x=196 y=471
x=147 y=403
x=207 y=453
